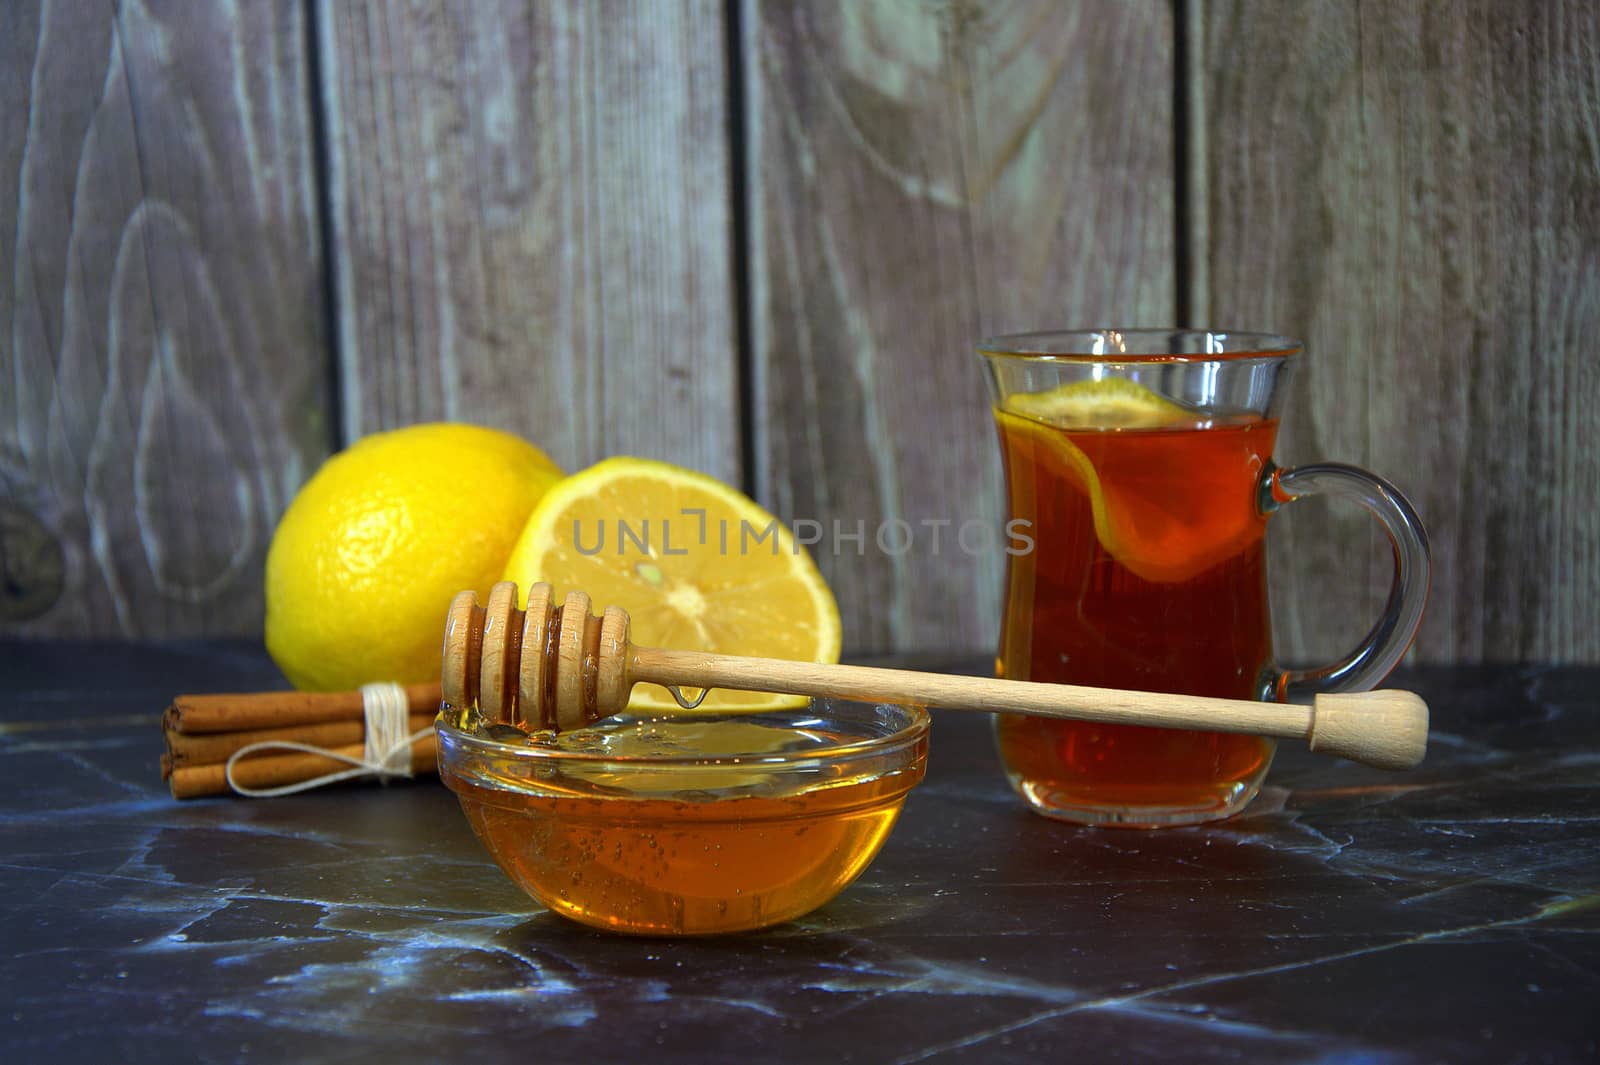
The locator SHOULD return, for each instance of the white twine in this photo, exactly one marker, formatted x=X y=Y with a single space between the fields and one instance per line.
x=386 y=753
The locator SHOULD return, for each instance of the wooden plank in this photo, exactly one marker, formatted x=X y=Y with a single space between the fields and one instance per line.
x=160 y=310
x=922 y=176
x=1415 y=188
x=531 y=217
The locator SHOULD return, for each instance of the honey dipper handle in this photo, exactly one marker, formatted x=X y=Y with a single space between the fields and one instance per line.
x=1387 y=729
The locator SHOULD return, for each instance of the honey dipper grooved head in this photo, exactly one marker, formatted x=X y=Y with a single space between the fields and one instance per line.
x=542 y=667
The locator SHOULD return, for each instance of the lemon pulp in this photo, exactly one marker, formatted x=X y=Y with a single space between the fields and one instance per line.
x=698 y=566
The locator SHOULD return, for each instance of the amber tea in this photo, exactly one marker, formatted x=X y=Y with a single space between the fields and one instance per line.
x=1147 y=575
x=1141 y=460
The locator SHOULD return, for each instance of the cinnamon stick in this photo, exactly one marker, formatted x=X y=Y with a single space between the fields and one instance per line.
x=185 y=748
x=272 y=771
x=192 y=714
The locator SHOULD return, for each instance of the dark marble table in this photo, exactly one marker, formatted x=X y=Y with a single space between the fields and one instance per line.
x=1447 y=914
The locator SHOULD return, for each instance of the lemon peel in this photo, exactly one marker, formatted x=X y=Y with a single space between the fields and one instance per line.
x=364 y=562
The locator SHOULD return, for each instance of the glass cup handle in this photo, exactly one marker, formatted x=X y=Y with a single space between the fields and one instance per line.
x=1382 y=648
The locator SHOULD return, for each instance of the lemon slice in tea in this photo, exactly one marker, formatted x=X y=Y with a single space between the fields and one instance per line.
x=1168 y=503
x=698 y=566
x=1105 y=403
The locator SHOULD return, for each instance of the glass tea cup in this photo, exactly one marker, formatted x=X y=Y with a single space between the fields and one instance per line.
x=1139 y=467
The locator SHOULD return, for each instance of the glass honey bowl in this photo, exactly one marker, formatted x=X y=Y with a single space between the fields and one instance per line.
x=687 y=824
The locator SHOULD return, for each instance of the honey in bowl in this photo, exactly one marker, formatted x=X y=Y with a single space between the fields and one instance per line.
x=687 y=824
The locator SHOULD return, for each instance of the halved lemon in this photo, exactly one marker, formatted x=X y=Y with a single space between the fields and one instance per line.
x=1166 y=506
x=1104 y=403
x=698 y=566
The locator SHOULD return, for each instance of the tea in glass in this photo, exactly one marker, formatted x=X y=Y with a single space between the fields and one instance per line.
x=1139 y=463
x=1147 y=544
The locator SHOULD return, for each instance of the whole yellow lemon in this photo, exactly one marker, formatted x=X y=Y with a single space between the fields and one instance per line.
x=366 y=559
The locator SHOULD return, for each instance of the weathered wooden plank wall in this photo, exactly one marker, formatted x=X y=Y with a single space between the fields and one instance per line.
x=921 y=176
x=531 y=219
x=1415 y=188
x=534 y=220
x=160 y=313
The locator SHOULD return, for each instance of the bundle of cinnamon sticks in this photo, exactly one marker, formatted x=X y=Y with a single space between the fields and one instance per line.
x=204 y=731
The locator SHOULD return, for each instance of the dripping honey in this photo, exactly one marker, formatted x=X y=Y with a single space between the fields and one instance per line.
x=1183 y=609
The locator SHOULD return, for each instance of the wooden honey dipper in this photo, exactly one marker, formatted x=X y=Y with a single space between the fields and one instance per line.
x=562 y=668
